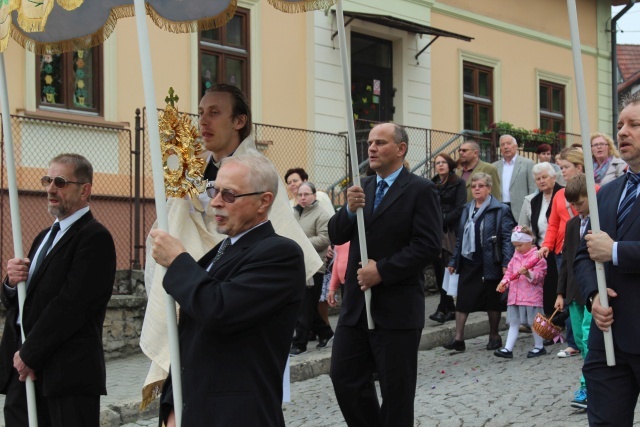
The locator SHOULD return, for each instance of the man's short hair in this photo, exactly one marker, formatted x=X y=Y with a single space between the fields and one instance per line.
x=481 y=176
x=240 y=105
x=82 y=169
x=538 y=168
x=511 y=138
x=576 y=188
x=474 y=145
x=263 y=176
x=629 y=99
x=301 y=172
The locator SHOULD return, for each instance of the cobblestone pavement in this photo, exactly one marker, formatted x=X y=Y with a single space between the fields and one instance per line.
x=473 y=388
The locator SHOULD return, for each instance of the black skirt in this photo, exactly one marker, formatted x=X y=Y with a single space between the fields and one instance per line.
x=474 y=293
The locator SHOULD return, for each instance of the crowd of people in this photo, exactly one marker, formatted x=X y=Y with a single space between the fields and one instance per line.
x=261 y=293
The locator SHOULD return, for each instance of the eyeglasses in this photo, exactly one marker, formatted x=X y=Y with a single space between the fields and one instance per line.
x=227 y=195
x=463 y=150
x=599 y=144
x=58 y=181
x=478 y=185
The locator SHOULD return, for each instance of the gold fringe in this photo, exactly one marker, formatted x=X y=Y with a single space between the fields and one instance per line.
x=84 y=42
x=70 y=4
x=193 y=26
x=3 y=43
x=150 y=392
x=35 y=24
x=302 y=5
x=125 y=11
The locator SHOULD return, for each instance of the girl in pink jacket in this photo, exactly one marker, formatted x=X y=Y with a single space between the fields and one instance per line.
x=524 y=278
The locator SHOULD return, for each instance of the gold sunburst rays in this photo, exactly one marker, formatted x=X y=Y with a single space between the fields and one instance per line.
x=180 y=146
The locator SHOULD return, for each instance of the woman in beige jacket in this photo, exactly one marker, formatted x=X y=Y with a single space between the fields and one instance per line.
x=313 y=220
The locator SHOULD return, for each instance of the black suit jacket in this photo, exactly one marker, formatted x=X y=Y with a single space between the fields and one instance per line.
x=235 y=329
x=64 y=311
x=623 y=278
x=404 y=235
x=567 y=285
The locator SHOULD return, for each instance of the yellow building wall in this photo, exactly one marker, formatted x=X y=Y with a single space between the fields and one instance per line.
x=519 y=57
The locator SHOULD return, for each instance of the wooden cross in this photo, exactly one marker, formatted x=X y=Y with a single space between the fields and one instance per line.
x=171 y=99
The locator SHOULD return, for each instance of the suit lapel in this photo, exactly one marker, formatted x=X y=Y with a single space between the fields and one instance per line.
x=238 y=247
x=392 y=194
x=633 y=215
x=516 y=171
x=68 y=235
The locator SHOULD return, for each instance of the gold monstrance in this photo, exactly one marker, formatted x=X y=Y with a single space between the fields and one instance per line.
x=180 y=145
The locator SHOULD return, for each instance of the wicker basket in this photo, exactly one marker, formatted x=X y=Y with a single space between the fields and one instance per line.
x=545 y=327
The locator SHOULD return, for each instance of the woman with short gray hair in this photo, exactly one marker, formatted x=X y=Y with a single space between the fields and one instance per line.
x=482 y=253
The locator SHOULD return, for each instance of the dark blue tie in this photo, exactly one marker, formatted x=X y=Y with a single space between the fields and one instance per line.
x=629 y=198
x=382 y=185
x=47 y=245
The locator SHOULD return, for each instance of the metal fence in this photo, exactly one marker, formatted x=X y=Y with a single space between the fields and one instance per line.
x=36 y=141
x=122 y=196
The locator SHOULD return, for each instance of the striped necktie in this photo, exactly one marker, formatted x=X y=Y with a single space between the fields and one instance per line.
x=629 y=198
x=221 y=249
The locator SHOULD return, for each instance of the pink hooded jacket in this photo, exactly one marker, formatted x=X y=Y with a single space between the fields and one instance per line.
x=524 y=291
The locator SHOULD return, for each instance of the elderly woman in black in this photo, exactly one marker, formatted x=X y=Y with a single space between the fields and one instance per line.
x=481 y=256
x=452 y=193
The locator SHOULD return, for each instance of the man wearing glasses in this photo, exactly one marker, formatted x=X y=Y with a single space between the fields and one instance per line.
x=238 y=304
x=69 y=275
x=470 y=163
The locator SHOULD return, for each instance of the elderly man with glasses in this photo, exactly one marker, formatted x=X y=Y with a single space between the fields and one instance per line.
x=470 y=163
x=69 y=273
x=238 y=304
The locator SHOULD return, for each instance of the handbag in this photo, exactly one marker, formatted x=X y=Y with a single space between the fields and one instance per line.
x=449 y=242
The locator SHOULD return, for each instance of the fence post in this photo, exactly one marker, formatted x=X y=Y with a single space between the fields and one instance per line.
x=137 y=154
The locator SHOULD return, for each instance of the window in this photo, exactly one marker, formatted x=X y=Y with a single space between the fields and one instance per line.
x=70 y=81
x=478 y=96
x=224 y=54
x=552 y=115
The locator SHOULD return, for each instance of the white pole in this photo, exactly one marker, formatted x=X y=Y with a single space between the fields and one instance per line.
x=353 y=149
x=15 y=222
x=161 y=202
x=588 y=165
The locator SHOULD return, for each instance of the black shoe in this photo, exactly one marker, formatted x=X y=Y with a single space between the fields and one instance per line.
x=536 y=352
x=297 y=351
x=450 y=316
x=504 y=353
x=494 y=344
x=438 y=316
x=455 y=345
x=322 y=342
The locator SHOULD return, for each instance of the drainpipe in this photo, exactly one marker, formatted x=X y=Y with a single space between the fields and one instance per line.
x=614 y=69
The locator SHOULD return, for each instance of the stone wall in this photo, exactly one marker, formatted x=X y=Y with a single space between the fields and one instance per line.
x=124 y=317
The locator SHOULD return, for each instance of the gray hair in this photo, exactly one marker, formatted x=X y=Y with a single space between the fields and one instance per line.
x=263 y=175
x=82 y=169
x=512 y=138
x=311 y=186
x=538 y=168
x=481 y=176
x=630 y=99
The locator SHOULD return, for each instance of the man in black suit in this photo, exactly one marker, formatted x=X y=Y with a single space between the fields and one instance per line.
x=69 y=272
x=612 y=391
x=404 y=234
x=238 y=304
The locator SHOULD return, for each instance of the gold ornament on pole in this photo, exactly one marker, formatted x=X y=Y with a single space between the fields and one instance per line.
x=180 y=146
